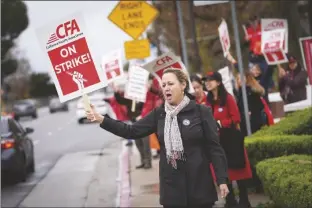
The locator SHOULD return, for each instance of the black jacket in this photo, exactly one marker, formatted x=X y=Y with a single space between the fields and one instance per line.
x=265 y=81
x=293 y=85
x=191 y=183
x=255 y=107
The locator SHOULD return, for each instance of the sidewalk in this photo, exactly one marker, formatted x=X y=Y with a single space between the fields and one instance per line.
x=145 y=186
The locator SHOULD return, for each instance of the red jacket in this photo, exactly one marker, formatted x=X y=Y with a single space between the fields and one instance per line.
x=227 y=114
x=120 y=110
x=254 y=36
x=268 y=112
x=153 y=100
x=203 y=100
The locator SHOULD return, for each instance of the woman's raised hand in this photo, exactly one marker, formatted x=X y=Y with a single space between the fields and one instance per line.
x=224 y=190
x=94 y=116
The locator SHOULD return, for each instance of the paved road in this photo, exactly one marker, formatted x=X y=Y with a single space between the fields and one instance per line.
x=55 y=135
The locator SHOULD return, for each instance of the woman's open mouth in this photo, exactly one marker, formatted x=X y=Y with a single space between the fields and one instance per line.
x=168 y=96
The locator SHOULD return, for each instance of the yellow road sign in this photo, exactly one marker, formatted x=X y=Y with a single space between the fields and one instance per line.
x=133 y=17
x=137 y=49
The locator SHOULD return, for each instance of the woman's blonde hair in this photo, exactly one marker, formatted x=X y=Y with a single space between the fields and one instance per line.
x=253 y=83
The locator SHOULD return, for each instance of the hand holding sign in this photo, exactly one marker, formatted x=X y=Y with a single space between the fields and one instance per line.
x=92 y=115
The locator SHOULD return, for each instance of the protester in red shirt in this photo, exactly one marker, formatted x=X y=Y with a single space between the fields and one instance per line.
x=255 y=55
x=200 y=94
x=153 y=97
x=122 y=107
x=153 y=100
x=227 y=115
x=120 y=110
x=254 y=36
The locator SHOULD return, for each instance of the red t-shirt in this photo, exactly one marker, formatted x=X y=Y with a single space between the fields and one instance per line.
x=203 y=100
x=227 y=114
x=152 y=100
x=254 y=36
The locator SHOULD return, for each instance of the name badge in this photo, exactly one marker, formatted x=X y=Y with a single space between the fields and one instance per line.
x=220 y=109
x=186 y=122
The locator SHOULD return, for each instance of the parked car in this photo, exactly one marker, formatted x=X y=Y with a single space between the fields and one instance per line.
x=17 y=149
x=101 y=106
x=23 y=108
x=55 y=105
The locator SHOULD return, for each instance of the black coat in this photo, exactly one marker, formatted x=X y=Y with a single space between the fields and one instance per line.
x=256 y=108
x=293 y=85
x=191 y=183
x=265 y=80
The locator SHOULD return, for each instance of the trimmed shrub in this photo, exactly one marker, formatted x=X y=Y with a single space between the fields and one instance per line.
x=288 y=180
x=298 y=123
x=265 y=147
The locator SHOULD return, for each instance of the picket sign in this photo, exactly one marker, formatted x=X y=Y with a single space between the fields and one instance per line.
x=224 y=37
x=65 y=43
x=165 y=61
x=136 y=88
x=274 y=40
x=112 y=65
x=226 y=79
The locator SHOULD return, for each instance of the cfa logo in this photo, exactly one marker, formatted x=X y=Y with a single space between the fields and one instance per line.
x=275 y=24
x=163 y=60
x=67 y=28
x=63 y=30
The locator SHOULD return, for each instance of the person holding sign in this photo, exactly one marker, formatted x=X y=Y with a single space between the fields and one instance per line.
x=189 y=141
x=293 y=81
x=226 y=113
x=154 y=99
x=255 y=92
x=263 y=78
x=143 y=143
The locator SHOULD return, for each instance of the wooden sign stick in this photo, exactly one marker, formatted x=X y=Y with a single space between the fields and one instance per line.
x=133 y=105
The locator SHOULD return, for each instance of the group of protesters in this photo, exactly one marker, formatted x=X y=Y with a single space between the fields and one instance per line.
x=292 y=80
x=226 y=108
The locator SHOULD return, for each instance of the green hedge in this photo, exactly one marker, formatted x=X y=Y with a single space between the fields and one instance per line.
x=288 y=180
x=297 y=123
x=265 y=147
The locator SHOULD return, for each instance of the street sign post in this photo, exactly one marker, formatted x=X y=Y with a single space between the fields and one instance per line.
x=133 y=17
x=137 y=49
x=240 y=67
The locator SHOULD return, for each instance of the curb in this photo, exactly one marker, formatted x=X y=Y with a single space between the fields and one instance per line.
x=123 y=180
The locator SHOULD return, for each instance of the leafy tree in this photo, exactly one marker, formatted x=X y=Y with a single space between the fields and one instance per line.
x=40 y=85
x=14 y=21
